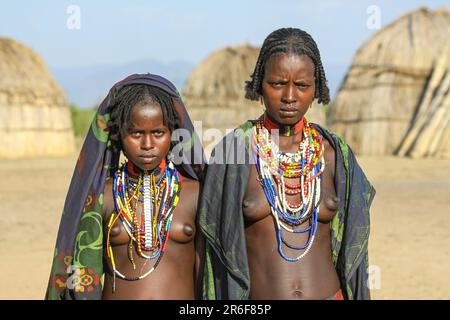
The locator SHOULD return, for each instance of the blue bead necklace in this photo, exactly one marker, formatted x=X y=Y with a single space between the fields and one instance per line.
x=273 y=166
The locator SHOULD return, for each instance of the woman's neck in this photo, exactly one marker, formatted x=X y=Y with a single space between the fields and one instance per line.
x=134 y=171
x=284 y=130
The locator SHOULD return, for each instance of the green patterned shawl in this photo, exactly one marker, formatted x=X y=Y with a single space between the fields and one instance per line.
x=226 y=272
x=78 y=257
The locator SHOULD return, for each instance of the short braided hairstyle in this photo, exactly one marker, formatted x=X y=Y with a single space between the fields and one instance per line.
x=130 y=96
x=288 y=40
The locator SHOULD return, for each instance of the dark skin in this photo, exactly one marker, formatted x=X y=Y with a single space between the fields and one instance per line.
x=146 y=143
x=288 y=90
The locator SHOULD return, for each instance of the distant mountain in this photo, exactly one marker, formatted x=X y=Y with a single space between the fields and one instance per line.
x=87 y=86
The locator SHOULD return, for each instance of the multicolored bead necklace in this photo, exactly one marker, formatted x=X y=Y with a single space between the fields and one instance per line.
x=150 y=233
x=285 y=130
x=274 y=166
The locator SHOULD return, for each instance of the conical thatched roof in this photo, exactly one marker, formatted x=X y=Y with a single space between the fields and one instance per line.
x=35 y=118
x=214 y=92
x=398 y=72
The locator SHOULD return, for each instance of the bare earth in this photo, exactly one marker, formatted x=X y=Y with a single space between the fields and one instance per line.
x=409 y=245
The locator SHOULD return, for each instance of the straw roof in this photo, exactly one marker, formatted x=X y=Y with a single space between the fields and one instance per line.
x=35 y=117
x=214 y=92
x=397 y=78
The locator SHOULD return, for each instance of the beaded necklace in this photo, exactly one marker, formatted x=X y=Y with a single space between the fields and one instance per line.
x=150 y=233
x=285 y=130
x=274 y=166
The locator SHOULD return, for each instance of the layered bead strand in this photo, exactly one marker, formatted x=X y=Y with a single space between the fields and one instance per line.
x=274 y=167
x=147 y=213
x=151 y=232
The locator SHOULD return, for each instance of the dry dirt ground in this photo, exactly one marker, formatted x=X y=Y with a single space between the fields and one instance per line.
x=410 y=233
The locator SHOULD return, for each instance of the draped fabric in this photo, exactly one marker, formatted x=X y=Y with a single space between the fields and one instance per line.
x=77 y=267
x=221 y=219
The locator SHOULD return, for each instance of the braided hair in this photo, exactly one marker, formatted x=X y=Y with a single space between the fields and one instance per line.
x=130 y=96
x=288 y=40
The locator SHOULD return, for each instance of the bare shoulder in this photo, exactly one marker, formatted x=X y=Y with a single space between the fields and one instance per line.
x=108 y=186
x=190 y=190
x=329 y=155
x=329 y=150
x=190 y=186
x=108 y=199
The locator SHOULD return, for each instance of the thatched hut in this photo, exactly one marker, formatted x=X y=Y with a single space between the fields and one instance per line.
x=35 y=118
x=214 y=91
x=395 y=97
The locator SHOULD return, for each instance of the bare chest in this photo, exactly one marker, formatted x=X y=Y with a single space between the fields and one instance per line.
x=182 y=227
x=256 y=206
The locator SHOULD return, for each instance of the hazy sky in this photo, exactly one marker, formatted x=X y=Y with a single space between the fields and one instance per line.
x=125 y=31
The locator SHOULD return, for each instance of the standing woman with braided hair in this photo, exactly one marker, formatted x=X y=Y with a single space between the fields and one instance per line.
x=292 y=220
x=128 y=229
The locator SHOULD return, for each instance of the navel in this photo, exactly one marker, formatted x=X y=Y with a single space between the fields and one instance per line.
x=297 y=294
